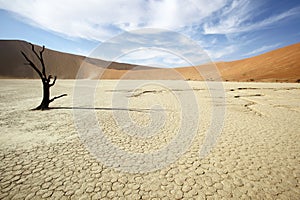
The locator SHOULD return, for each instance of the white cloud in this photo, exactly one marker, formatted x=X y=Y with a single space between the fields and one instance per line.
x=100 y=20
x=217 y=53
x=144 y=53
x=262 y=49
x=205 y=21
x=163 y=48
x=238 y=18
x=152 y=57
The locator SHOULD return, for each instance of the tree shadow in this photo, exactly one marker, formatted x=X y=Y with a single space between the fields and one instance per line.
x=120 y=109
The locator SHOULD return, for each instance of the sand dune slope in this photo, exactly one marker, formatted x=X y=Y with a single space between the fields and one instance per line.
x=12 y=63
x=64 y=65
x=281 y=65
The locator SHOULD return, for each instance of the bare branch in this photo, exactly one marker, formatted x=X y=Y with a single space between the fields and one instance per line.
x=32 y=65
x=32 y=48
x=40 y=57
x=53 y=82
x=45 y=79
x=57 y=97
x=43 y=49
x=42 y=61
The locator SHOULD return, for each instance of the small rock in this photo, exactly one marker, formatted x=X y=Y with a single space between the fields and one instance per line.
x=46 y=185
x=199 y=171
x=117 y=186
x=47 y=194
x=69 y=192
x=178 y=194
x=96 y=196
x=238 y=182
x=89 y=189
x=17 y=167
x=218 y=186
x=179 y=180
x=57 y=194
x=186 y=188
x=191 y=181
x=210 y=191
x=208 y=181
x=19 y=195
x=29 y=196
x=15 y=178
x=49 y=178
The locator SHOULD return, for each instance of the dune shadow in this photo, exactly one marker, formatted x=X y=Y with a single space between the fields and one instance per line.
x=96 y=108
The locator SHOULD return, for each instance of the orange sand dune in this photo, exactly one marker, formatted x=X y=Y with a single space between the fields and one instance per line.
x=279 y=65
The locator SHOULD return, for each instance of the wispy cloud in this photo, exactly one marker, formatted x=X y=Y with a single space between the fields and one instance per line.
x=239 y=17
x=220 y=27
x=165 y=48
x=100 y=20
x=217 y=53
x=153 y=57
x=262 y=49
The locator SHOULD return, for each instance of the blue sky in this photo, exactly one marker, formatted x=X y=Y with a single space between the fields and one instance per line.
x=164 y=33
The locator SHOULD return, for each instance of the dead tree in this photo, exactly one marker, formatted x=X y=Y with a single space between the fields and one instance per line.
x=45 y=79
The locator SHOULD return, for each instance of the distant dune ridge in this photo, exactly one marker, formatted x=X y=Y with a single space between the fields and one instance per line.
x=279 y=65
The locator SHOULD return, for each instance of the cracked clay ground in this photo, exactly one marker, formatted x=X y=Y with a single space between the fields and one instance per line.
x=256 y=156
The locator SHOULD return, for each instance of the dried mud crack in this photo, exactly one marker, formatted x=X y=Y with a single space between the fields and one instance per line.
x=256 y=155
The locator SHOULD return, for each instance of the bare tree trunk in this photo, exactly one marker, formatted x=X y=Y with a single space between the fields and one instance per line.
x=45 y=80
x=46 y=101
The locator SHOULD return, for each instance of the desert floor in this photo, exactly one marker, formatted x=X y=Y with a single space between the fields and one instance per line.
x=45 y=155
